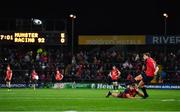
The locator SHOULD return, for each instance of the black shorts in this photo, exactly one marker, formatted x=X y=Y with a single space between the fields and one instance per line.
x=146 y=79
x=34 y=81
x=114 y=80
x=58 y=81
x=7 y=80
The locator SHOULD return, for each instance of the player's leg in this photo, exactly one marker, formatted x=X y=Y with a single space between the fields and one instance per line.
x=116 y=85
x=112 y=94
x=108 y=94
x=140 y=94
x=142 y=83
x=34 y=84
x=144 y=91
x=138 y=78
x=142 y=78
x=9 y=85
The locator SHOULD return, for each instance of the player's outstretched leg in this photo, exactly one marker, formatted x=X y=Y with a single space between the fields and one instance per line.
x=109 y=93
x=145 y=92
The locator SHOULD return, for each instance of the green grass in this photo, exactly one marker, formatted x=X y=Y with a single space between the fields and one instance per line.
x=85 y=100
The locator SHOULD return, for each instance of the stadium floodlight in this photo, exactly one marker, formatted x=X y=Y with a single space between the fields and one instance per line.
x=73 y=17
x=165 y=23
x=36 y=21
x=165 y=15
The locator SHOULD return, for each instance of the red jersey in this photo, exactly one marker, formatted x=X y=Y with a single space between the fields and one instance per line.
x=34 y=74
x=131 y=92
x=9 y=74
x=115 y=74
x=150 y=67
x=59 y=76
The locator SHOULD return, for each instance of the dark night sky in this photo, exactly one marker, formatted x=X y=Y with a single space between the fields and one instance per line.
x=102 y=16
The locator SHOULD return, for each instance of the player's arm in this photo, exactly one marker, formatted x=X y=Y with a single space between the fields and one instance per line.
x=156 y=70
x=119 y=73
x=110 y=74
x=62 y=76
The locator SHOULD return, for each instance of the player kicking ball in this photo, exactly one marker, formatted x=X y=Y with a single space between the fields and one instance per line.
x=130 y=92
x=147 y=76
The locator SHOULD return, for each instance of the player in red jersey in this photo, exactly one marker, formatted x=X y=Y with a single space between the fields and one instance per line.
x=150 y=70
x=35 y=78
x=115 y=74
x=130 y=92
x=58 y=76
x=8 y=77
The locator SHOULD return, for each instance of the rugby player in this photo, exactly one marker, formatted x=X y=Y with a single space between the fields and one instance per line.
x=58 y=76
x=35 y=78
x=8 y=77
x=147 y=76
x=130 y=92
x=115 y=74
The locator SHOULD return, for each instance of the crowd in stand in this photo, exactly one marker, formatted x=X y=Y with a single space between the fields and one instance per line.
x=85 y=65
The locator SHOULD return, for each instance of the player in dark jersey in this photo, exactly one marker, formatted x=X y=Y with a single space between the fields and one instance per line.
x=8 y=77
x=130 y=92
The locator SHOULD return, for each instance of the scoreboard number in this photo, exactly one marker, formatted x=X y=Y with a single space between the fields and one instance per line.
x=47 y=38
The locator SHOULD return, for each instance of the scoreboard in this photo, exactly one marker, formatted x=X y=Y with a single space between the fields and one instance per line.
x=46 y=38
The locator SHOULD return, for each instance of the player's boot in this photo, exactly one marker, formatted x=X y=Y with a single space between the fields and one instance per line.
x=145 y=96
x=109 y=93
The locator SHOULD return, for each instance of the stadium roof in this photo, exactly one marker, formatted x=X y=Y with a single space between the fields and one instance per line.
x=101 y=16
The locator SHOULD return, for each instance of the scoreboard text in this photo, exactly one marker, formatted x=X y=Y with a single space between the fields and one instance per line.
x=49 y=38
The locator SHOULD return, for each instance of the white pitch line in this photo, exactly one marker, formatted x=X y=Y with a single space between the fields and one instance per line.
x=167 y=100
x=88 y=111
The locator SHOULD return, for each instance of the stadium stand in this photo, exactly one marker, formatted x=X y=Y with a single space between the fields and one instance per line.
x=86 y=66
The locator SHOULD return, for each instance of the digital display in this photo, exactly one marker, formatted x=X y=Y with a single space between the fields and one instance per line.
x=48 y=38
